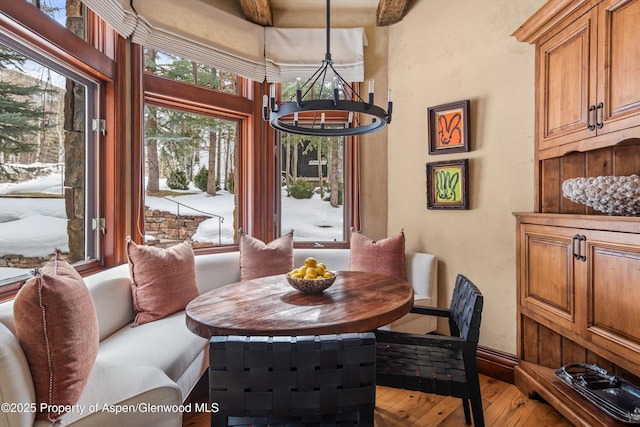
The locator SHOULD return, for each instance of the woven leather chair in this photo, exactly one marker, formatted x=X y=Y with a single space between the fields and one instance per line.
x=310 y=380
x=444 y=365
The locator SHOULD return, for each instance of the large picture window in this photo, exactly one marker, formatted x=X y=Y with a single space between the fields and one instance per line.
x=48 y=162
x=190 y=172
x=313 y=183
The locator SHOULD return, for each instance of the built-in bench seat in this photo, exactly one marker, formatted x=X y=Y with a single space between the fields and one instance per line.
x=157 y=363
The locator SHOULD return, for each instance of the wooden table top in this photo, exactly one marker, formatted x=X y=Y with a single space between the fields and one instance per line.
x=356 y=302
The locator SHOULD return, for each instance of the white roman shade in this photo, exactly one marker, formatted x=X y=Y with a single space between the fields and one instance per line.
x=298 y=52
x=191 y=29
x=198 y=31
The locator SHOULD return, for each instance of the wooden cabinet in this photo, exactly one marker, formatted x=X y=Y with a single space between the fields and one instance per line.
x=588 y=77
x=578 y=295
x=578 y=299
x=582 y=282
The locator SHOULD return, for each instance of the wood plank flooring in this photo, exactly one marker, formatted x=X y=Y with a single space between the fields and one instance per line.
x=504 y=405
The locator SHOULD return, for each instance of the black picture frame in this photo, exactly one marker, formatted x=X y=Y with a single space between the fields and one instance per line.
x=448 y=184
x=449 y=127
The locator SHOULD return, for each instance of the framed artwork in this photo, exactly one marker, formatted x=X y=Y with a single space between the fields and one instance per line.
x=449 y=128
x=448 y=184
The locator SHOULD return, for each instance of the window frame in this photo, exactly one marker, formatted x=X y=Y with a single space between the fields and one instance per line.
x=26 y=25
x=165 y=92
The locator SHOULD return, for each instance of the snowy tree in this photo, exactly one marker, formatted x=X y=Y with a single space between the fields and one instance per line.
x=20 y=117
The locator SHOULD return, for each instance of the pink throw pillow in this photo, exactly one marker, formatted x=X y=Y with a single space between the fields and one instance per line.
x=163 y=281
x=258 y=259
x=57 y=327
x=385 y=256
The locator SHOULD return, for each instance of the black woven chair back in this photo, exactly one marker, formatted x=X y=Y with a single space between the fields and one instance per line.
x=466 y=310
x=444 y=365
x=311 y=380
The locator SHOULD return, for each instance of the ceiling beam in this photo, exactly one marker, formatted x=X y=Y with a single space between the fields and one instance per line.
x=258 y=11
x=391 y=11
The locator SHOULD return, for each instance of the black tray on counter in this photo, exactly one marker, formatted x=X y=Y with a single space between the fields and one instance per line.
x=615 y=396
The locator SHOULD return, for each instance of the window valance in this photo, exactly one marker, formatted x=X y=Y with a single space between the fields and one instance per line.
x=198 y=31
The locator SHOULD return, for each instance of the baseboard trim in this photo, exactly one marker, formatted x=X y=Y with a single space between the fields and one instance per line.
x=496 y=364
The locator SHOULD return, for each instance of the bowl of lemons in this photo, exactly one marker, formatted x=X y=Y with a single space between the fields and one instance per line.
x=311 y=278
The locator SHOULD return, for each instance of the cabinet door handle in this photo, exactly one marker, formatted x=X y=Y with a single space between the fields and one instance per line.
x=589 y=125
x=581 y=256
x=575 y=240
x=599 y=123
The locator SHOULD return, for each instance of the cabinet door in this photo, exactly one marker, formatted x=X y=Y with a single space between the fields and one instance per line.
x=618 y=65
x=613 y=287
x=566 y=83
x=549 y=280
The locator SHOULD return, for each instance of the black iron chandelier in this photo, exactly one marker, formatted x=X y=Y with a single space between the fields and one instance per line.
x=304 y=113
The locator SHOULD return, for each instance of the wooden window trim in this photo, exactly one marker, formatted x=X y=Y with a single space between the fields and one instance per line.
x=25 y=23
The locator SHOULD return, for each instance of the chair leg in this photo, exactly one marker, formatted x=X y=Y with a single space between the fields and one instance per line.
x=476 y=407
x=467 y=413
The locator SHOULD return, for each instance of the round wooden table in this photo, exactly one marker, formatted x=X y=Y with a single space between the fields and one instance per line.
x=356 y=302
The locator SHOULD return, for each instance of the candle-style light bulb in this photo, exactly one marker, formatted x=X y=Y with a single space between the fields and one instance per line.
x=350 y=120
x=295 y=118
x=265 y=109
x=322 y=121
x=272 y=97
x=371 y=92
x=298 y=91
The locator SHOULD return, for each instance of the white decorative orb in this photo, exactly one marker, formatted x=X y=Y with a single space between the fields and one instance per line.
x=615 y=195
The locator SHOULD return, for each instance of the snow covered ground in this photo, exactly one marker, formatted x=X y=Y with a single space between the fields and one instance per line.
x=35 y=227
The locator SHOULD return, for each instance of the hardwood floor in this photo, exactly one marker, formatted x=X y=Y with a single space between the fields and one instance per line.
x=504 y=406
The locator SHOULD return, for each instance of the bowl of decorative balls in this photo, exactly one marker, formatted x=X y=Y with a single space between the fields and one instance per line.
x=311 y=278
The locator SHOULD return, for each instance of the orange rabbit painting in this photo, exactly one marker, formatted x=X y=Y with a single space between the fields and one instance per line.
x=449 y=128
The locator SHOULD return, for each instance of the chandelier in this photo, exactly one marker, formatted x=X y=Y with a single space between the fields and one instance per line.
x=306 y=111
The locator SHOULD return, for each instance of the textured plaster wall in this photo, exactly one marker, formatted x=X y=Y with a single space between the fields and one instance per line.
x=449 y=51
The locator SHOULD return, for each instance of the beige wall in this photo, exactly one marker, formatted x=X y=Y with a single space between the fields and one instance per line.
x=449 y=51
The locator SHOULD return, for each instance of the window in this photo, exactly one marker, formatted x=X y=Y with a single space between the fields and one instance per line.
x=47 y=162
x=193 y=135
x=312 y=187
x=313 y=182
x=176 y=68
x=190 y=171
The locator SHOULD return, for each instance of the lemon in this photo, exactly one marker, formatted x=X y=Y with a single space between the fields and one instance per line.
x=311 y=272
x=310 y=262
x=303 y=270
x=309 y=277
x=321 y=264
x=295 y=276
x=328 y=275
x=320 y=270
x=295 y=271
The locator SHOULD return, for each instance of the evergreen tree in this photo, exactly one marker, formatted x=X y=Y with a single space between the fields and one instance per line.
x=20 y=118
